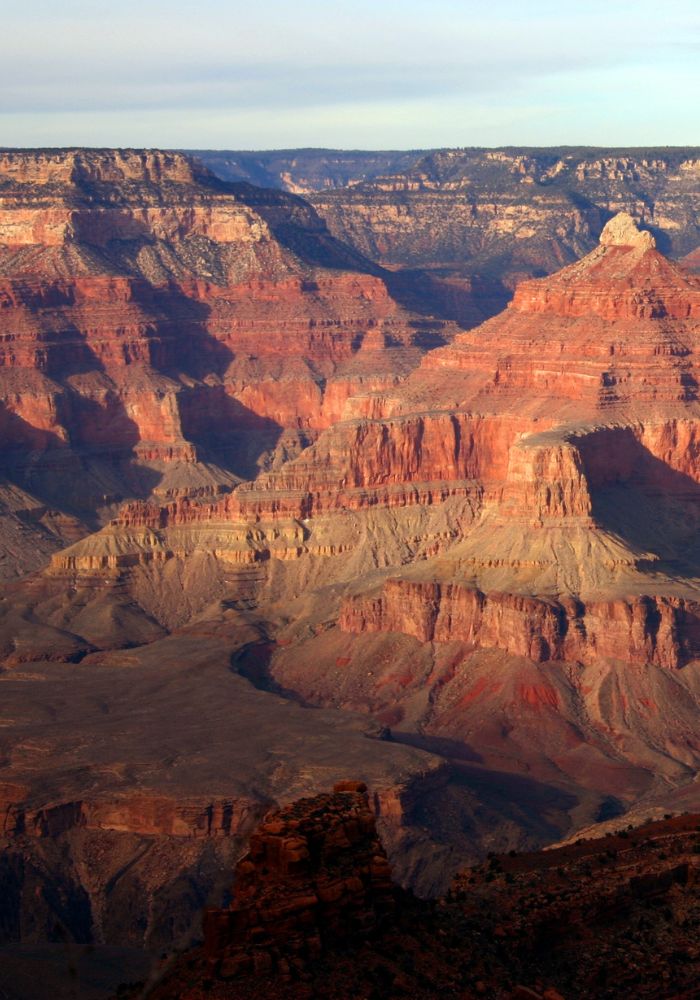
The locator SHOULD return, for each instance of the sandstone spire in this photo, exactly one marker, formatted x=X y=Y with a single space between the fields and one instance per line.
x=623 y=231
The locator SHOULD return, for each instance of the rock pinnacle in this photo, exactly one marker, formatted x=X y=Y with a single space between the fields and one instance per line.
x=622 y=231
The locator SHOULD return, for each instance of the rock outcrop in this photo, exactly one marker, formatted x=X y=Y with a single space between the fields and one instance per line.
x=315 y=877
x=622 y=230
x=664 y=631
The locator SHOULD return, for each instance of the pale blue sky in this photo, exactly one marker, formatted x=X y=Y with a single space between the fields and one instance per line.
x=382 y=74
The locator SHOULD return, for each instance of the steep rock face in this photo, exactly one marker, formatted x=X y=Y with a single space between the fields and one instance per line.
x=664 y=631
x=692 y=261
x=365 y=458
x=138 y=814
x=546 y=480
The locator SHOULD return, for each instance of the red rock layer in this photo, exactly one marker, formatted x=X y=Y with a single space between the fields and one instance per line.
x=422 y=460
x=188 y=361
x=543 y=363
x=418 y=458
x=660 y=630
x=691 y=262
x=584 y=385
x=149 y=815
x=616 y=282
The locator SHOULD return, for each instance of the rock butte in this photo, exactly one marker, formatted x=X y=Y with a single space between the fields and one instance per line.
x=489 y=546
x=315 y=874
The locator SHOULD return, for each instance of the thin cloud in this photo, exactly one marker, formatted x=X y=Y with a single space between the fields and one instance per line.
x=313 y=64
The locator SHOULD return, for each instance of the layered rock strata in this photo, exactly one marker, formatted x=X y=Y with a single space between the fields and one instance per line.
x=664 y=631
x=493 y=551
x=510 y=213
x=603 y=354
x=160 y=329
x=524 y=502
x=539 y=635
x=585 y=386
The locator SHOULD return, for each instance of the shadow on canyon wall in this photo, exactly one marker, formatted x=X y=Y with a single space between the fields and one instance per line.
x=651 y=506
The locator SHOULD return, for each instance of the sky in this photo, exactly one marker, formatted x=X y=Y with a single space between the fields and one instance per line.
x=388 y=74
